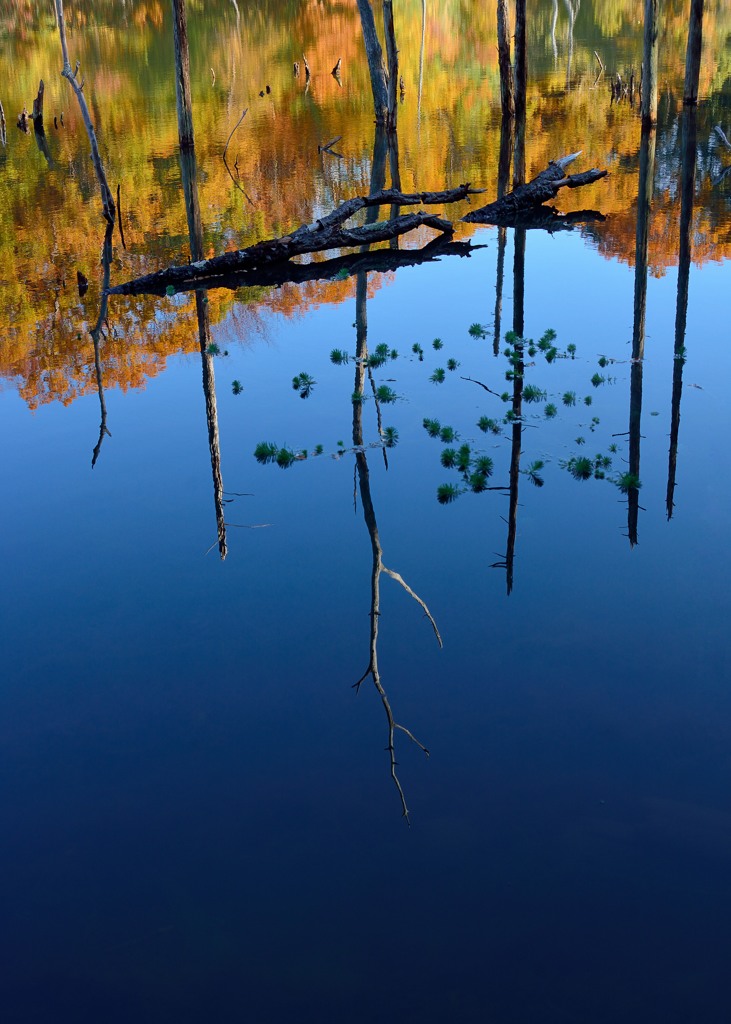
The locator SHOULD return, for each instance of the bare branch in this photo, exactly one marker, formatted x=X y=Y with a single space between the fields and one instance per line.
x=399 y=579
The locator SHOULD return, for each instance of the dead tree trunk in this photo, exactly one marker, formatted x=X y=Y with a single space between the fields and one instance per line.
x=649 y=65
x=3 y=126
x=693 y=53
x=507 y=101
x=392 y=56
x=182 y=75
x=374 y=53
x=528 y=197
x=521 y=87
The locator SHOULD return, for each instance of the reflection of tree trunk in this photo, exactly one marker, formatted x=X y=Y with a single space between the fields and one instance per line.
x=374 y=53
x=572 y=19
x=644 y=202
x=195 y=230
x=96 y=335
x=649 y=64
x=503 y=176
x=378 y=176
x=681 y=308
x=519 y=370
x=521 y=87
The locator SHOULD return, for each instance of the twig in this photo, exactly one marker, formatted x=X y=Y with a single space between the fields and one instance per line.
x=225 y=162
x=600 y=60
x=473 y=381
x=399 y=579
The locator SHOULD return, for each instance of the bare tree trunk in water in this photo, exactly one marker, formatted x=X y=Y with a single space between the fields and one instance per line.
x=374 y=53
x=182 y=75
x=503 y=52
x=649 y=65
x=693 y=52
x=681 y=308
x=644 y=203
x=392 y=55
x=521 y=86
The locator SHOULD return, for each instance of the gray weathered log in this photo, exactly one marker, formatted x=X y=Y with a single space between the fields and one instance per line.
x=534 y=193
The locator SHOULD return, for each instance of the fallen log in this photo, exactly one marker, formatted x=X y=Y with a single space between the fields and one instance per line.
x=320 y=236
x=533 y=194
x=336 y=269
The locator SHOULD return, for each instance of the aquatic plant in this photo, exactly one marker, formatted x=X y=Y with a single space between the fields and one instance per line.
x=597 y=379
x=356 y=397
x=478 y=331
x=483 y=464
x=285 y=457
x=613 y=448
x=265 y=452
x=213 y=349
x=551 y=354
x=303 y=383
x=237 y=387
x=464 y=458
x=447 y=435
x=339 y=357
x=319 y=449
x=438 y=376
x=533 y=473
x=448 y=458
x=505 y=397
x=432 y=427
x=550 y=411
x=580 y=467
x=452 y=364
x=488 y=426
x=627 y=482
x=390 y=437
x=603 y=361
x=447 y=493
x=532 y=393
x=588 y=400
x=170 y=290
x=477 y=482
x=393 y=353
x=580 y=440
x=385 y=394
x=569 y=398
x=418 y=351
x=437 y=344
x=571 y=349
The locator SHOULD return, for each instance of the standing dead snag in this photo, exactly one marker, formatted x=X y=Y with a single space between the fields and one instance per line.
x=3 y=132
x=70 y=76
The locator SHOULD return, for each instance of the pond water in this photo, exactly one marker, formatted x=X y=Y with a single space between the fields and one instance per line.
x=201 y=821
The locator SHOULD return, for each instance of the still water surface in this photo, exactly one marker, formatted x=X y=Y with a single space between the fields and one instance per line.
x=200 y=823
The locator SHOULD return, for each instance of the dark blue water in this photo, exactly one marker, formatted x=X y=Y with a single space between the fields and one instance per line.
x=199 y=823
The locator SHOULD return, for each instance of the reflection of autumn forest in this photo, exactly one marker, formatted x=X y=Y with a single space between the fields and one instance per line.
x=50 y=211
